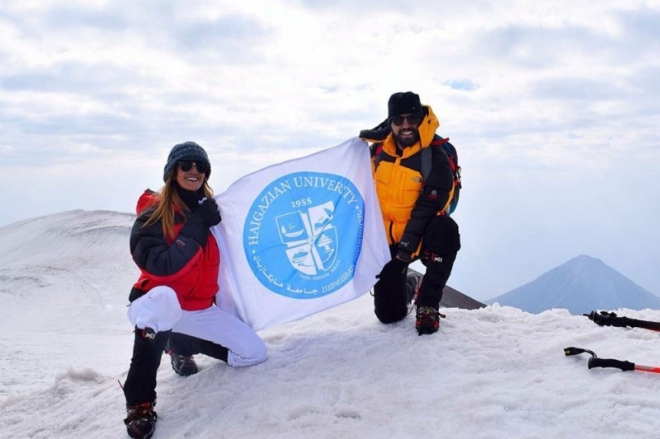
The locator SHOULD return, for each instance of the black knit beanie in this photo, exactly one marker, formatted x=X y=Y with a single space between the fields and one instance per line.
x=186 y=151
x=404 y=103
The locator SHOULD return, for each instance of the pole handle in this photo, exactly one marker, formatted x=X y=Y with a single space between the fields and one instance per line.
x=608 y=362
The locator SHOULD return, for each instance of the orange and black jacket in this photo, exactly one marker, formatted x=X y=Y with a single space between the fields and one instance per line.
x=408 y=202
x=188 y=262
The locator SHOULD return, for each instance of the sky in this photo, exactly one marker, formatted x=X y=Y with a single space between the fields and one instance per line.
x=552 y=105
x=488 y=373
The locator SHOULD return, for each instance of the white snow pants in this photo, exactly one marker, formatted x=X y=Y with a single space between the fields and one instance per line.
x=159 y=310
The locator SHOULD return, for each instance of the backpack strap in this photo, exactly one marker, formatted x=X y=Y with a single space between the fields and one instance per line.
x=376 y=151
x=427 y=156
x=442 y=144
x=427 y=163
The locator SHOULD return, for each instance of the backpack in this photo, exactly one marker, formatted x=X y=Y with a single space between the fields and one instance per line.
x=437 y=144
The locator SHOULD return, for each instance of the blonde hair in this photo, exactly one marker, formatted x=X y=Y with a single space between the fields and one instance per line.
x=168 y=202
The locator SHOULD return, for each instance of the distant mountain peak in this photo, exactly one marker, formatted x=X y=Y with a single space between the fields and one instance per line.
x=585 y=263
x=580 y=285
x=585 y=258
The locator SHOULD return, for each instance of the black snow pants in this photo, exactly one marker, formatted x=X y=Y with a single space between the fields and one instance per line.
x=187 y=345
x=140 y=384
x=440 y=244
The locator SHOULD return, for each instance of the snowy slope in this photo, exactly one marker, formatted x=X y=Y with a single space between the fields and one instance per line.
x=489 y=373
x=580 y=286
x=64 y=280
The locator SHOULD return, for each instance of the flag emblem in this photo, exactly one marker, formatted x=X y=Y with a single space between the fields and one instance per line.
x=303 y=234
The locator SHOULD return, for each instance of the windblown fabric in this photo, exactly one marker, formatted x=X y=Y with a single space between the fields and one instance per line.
x=300 y=237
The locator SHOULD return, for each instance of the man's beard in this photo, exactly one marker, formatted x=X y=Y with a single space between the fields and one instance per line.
x=408 y=141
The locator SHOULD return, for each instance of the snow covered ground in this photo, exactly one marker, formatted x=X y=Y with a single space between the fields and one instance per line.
x=489 y=373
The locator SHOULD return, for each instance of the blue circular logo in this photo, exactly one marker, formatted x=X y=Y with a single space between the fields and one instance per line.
x=303 y=234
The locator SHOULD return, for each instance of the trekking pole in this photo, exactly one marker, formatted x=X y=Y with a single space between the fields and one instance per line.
x=604 y=318
x=594 y=361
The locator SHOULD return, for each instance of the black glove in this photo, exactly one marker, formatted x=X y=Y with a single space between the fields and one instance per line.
x=392 y=269
x=403 y=255
x=378 y=133
x=207 y=213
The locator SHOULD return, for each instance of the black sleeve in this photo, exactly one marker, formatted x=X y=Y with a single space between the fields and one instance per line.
x=152 y=253
x=433 y=199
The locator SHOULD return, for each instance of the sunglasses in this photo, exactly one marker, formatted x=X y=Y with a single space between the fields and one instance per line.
x=412 y=119
x=186 y=165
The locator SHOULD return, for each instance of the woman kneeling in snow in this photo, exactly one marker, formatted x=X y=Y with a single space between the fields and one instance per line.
x=173 y=300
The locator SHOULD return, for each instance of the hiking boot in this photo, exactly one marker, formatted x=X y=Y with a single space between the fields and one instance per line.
x=428 y=320
x=182 y=365
x=140 y=420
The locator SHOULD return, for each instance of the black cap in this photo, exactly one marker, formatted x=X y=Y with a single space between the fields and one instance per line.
x=404 y=103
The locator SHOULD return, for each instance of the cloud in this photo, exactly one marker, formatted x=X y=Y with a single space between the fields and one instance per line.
x=69 y=16
x=237 y=37
x=643 y=26
x=577 y=89
x=550 y=104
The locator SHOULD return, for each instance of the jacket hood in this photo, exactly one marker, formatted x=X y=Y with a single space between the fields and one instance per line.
x=148 y=199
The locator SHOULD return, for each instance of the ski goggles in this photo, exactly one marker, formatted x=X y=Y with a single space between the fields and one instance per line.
x=412 y=119
x=186 y=165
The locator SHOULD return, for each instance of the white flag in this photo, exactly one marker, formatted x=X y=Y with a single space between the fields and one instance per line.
x=300 y=237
